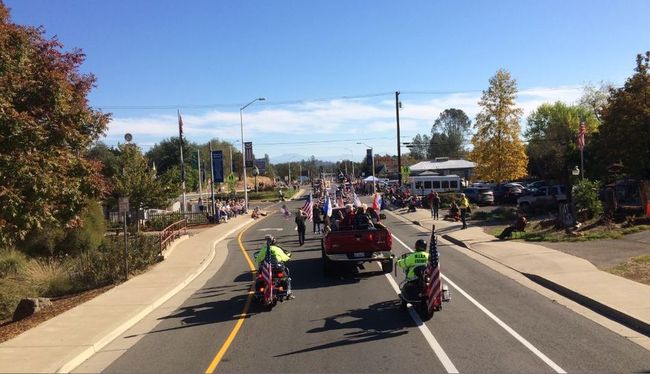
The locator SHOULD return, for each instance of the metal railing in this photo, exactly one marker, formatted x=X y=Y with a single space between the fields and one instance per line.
x=172 y=232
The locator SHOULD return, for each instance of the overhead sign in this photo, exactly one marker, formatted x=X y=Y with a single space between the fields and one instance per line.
x=217 y=166
x=248 y=151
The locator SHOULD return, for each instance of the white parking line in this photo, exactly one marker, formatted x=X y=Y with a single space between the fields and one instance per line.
x=496 y=319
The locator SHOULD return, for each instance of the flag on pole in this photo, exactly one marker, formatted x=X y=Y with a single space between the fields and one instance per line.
x=267 y=272
x=327 y=207
x=581 y=136
x=355 y=198
x=433 y=289
x=376 y=202
x=308 y=208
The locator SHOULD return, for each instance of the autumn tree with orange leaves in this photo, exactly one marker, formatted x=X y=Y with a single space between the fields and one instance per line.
x=46 y=126
x=498 y=150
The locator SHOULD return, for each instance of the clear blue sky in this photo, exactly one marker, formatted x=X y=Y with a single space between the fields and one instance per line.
x=225 y=53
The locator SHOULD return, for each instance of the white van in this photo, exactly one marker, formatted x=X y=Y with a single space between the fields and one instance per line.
x=423 y=185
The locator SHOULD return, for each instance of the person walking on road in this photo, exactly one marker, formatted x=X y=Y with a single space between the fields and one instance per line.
x=302 y=227
x=464 y=205
x=318 y=218
x=434 y=204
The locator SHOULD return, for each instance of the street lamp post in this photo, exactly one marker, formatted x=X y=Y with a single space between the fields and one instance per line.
x=243 y=151
x=374 y=181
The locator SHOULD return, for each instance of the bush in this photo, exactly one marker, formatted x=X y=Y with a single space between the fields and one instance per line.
x=50 y=278
x=42 y=242
x=89 y=236
x=11 y=292
x=106 y=265
x=585 y=196
x=160 y=221
x=11 y=262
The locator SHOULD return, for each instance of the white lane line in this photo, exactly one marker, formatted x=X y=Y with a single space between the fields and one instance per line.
x=496 y=319
x=428 y=336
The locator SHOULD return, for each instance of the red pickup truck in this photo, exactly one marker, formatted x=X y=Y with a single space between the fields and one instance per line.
x=357 y=245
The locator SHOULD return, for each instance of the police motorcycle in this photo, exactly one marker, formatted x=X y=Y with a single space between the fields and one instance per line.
x=280 y=286
x=425 y=291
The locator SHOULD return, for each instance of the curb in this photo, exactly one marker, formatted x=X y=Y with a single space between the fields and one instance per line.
x=102 y=342
x=617 y=316
x=460 y=243
x=608 y=312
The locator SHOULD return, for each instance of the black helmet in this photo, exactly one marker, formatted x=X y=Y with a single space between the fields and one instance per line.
x=420 y=245
x=270 y=238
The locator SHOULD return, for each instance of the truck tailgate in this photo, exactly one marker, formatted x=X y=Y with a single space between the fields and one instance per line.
x=340 y=242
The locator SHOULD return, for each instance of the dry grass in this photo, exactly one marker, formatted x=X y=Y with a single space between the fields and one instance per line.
x=49 y=277
x=637 y=269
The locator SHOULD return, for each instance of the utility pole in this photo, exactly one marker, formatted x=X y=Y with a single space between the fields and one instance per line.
x=213 y=203
x=198 y=155
x=399 y=151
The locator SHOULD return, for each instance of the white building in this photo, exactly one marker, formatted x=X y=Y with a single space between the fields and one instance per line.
x=445 y=166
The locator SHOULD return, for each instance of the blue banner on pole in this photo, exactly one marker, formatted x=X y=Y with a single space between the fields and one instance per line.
x=217 y=166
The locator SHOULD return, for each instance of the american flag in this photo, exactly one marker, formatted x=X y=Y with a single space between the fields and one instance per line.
x=433 y=290
x=267 y=273
x=308 y=208
x=581 y=136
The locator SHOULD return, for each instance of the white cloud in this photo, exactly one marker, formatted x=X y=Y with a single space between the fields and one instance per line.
x=336 y=124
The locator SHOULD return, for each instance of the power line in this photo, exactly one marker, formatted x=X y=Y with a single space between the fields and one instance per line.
x=303 y=101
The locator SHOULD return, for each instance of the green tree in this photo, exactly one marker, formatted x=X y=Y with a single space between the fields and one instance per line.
x=551 y=132
x=46 y=125
x=136 y=180
x=454 y=126
x=625 y=130
x=438 y=145
x=420 y=147
x=596 y=99
x=498 y=151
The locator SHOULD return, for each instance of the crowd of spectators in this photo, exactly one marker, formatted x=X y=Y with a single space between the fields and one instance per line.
x=226 y=209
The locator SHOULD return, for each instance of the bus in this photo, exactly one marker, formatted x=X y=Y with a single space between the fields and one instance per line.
x=422 y=185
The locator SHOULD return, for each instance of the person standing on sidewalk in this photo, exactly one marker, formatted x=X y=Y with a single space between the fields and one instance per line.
x=464 y=205
x=300 y=222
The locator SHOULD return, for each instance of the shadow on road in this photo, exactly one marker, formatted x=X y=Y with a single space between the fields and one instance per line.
x=382 y=320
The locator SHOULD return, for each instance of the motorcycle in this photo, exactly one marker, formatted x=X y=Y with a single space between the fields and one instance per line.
x=425 y=292
x=281 y=285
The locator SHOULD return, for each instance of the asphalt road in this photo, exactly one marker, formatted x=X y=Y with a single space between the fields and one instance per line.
x=353 y=323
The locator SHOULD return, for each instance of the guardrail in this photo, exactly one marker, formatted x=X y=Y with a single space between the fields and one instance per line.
x=171 y=232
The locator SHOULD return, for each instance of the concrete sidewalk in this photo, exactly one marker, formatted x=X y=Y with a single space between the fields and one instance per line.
x=65 y=341
x=617 y=298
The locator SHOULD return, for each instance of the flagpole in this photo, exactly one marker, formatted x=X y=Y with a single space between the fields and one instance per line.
x=180 y=138
x=198 y=153
x=582 y=165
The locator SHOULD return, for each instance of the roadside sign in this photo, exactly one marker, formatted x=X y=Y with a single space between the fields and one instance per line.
x=123 y=205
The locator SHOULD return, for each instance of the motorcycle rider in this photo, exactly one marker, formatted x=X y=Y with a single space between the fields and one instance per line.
x=279 y=255
x=418 y=258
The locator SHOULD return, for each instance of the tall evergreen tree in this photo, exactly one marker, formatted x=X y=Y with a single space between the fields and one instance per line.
x=454 y=126
x=498 y=150
x=624 y=134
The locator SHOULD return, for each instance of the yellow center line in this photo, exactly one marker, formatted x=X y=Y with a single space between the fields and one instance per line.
x=242 y=316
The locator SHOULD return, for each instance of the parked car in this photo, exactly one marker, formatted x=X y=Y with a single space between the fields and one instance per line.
x=507 y=193
x=545 y=197
x=479 y=196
